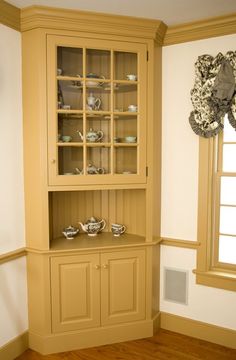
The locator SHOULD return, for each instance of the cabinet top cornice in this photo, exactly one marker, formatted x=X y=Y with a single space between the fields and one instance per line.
x=73 y=20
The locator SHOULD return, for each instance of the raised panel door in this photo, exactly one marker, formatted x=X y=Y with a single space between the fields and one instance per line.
x=75 y=292
x=122 y=287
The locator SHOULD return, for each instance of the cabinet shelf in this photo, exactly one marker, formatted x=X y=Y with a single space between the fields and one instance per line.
x=103 y=240
x=77 y=114
x=125 y=144
x=79 y=144
x=71 y=111
x=99 y=80
x=98 y=144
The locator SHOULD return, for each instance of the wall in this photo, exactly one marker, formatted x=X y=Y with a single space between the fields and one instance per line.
x=180 y=181
x=13 y=288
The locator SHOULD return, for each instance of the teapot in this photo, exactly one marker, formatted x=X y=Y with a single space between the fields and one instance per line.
x=93 y=82
x=92 y=135
x=70 y=232
x=91 y=170
x=93 y=103
x=93 y=226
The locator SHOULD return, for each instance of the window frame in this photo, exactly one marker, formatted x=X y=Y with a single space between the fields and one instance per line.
x=210 y=271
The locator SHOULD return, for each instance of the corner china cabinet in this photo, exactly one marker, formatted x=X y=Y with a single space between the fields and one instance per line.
x=91 y=98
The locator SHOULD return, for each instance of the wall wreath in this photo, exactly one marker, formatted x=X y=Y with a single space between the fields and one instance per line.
x=214 y=93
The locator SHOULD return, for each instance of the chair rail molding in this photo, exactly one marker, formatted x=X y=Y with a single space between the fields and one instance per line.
x=12 y=255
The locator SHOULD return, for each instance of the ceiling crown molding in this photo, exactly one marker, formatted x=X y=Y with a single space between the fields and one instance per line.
x=197 y=30
x=64 y=19
x=9 y=15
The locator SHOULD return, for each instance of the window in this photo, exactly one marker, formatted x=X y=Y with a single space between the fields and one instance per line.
x=216 y=261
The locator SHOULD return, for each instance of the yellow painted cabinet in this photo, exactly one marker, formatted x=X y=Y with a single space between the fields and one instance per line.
x=96 y=111
x=97 y=290
x=92 y=141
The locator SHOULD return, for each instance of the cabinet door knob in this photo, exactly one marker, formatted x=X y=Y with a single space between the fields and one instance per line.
x=105 y=266
x=53 y=161
x=97 y=267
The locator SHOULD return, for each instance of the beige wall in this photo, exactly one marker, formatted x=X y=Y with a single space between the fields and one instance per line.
x=13 y=294
x=180 y=181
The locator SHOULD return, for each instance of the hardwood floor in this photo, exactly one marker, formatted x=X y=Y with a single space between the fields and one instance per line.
x=165 y=345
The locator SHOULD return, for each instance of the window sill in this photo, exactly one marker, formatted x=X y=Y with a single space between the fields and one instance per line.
x=217 y=279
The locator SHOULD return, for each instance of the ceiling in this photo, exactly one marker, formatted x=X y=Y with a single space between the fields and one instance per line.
x=171 y=12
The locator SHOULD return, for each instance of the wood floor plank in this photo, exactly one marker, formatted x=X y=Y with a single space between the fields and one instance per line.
x=166 y=345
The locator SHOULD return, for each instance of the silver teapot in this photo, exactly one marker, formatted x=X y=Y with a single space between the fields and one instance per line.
x=92 y=135
x=93 y=226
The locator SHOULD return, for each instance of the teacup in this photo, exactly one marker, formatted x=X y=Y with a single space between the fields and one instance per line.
x=66 y=138
x=132 y=108
x=130 y=139
x=66 y=107
x=117 y=229
x=131 y=77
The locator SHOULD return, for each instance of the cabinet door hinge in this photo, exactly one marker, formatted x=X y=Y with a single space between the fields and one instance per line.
x=147 y=55
x=147 y=171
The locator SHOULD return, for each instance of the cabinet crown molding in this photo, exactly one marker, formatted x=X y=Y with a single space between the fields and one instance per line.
x=203 y=29
x=9 y=15
x=73 y=20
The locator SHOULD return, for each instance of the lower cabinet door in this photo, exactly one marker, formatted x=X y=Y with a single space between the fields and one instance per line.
x=123 y=286
x=75 y=292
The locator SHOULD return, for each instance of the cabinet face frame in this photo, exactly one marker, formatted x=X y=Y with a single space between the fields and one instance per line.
x=55 y=41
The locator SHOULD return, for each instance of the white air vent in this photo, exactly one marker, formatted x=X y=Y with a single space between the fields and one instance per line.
x=176 y=285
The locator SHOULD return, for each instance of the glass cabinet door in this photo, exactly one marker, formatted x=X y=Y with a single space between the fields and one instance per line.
x=96 y=111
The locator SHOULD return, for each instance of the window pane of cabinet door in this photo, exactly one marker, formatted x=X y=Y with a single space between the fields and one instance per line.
x=96 y=111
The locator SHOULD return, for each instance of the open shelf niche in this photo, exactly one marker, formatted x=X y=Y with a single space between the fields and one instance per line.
x=125 y=206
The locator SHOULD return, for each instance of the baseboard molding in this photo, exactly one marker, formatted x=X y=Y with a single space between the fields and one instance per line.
x=156 y=323
x=199 y=330
x=15 y=347
x=75 y=340
x=67 y=341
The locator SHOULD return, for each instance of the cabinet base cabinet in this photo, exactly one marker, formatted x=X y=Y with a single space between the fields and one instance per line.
x=91 y=299
x=91 y=337
x=97 y=289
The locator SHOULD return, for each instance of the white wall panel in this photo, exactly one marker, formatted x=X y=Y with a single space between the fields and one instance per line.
x=179 y=143
x=11 y=142
x=180 y=181
x=13 y=292
x=210 y=305
x=13 y=300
